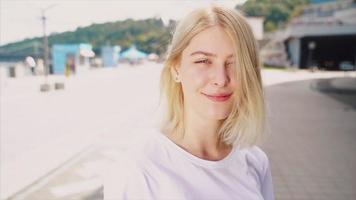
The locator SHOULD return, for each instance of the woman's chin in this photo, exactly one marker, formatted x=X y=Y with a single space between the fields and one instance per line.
x=217 y=115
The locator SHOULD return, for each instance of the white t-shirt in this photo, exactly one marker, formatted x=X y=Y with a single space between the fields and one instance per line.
x=160 y=169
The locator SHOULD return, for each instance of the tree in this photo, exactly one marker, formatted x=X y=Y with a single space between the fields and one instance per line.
x=276 y=12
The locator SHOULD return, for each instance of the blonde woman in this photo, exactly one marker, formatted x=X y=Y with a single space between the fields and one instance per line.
x=215 y=115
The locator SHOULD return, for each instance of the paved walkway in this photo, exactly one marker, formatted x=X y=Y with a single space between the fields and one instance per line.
x=311 y=139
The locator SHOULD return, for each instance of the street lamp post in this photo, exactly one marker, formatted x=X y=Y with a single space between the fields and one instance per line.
x=311 y=47
x=45 y=87
x=45 y=44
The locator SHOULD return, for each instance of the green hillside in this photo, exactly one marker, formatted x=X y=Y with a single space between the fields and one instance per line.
x=149 y=35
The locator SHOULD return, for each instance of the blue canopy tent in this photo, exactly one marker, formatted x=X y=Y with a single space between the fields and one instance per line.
x=110 y=55
x=132 y=54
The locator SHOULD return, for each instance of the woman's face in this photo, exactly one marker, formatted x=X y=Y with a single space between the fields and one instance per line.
x=207 y=74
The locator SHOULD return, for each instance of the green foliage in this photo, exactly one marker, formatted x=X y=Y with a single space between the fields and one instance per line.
x=276 y=12
x=149 y=35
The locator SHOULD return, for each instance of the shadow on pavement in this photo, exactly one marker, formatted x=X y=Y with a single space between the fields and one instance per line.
x=340 y=89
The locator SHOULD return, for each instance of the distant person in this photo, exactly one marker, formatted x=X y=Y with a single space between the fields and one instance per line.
x=70 y=66
x=30 y=62
x=215 y=116
x=40 y=66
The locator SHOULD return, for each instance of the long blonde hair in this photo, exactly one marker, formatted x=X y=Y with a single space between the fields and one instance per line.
x=246 y=121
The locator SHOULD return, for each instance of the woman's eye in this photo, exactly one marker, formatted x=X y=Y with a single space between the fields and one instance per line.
x=229 y=64
x=205 y=61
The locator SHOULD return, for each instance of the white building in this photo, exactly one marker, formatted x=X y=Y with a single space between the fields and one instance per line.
x=324 y=36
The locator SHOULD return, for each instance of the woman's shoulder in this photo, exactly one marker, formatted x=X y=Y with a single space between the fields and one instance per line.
x=145 y=147
x=259 y=167
x=125 y=179
x=145 y=153
x=127 y=175
x=256 y=154
x=257 y=160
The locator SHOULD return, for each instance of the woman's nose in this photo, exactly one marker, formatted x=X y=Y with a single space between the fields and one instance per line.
x=220 y=76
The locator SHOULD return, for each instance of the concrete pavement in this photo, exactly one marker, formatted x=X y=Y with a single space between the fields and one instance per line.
x=311 y=139
x=41 y=131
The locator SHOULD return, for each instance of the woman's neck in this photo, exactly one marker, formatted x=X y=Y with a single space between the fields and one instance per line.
x=201 y=139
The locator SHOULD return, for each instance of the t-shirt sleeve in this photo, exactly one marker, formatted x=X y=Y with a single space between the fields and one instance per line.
x=265 y=175
x=124 y=180
x=267 y=184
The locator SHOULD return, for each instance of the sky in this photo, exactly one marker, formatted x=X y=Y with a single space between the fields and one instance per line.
x=20 y=19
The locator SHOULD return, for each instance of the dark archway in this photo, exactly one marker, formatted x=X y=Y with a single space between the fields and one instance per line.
x=328 y=51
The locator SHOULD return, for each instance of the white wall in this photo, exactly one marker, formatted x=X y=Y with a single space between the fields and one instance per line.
x=256 y=24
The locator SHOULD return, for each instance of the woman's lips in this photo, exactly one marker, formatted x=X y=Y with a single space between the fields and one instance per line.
x=219 y=97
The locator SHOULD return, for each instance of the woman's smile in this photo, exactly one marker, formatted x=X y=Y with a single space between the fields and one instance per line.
x=218 y=97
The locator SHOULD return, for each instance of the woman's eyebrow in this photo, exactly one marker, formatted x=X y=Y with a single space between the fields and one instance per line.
x=204 y=53
x=208 y=54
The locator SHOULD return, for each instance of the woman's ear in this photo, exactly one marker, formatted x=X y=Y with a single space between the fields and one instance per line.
x=175 y=74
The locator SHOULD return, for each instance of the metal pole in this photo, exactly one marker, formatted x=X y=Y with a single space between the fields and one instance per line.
x=45 y=87
x=45 y=46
